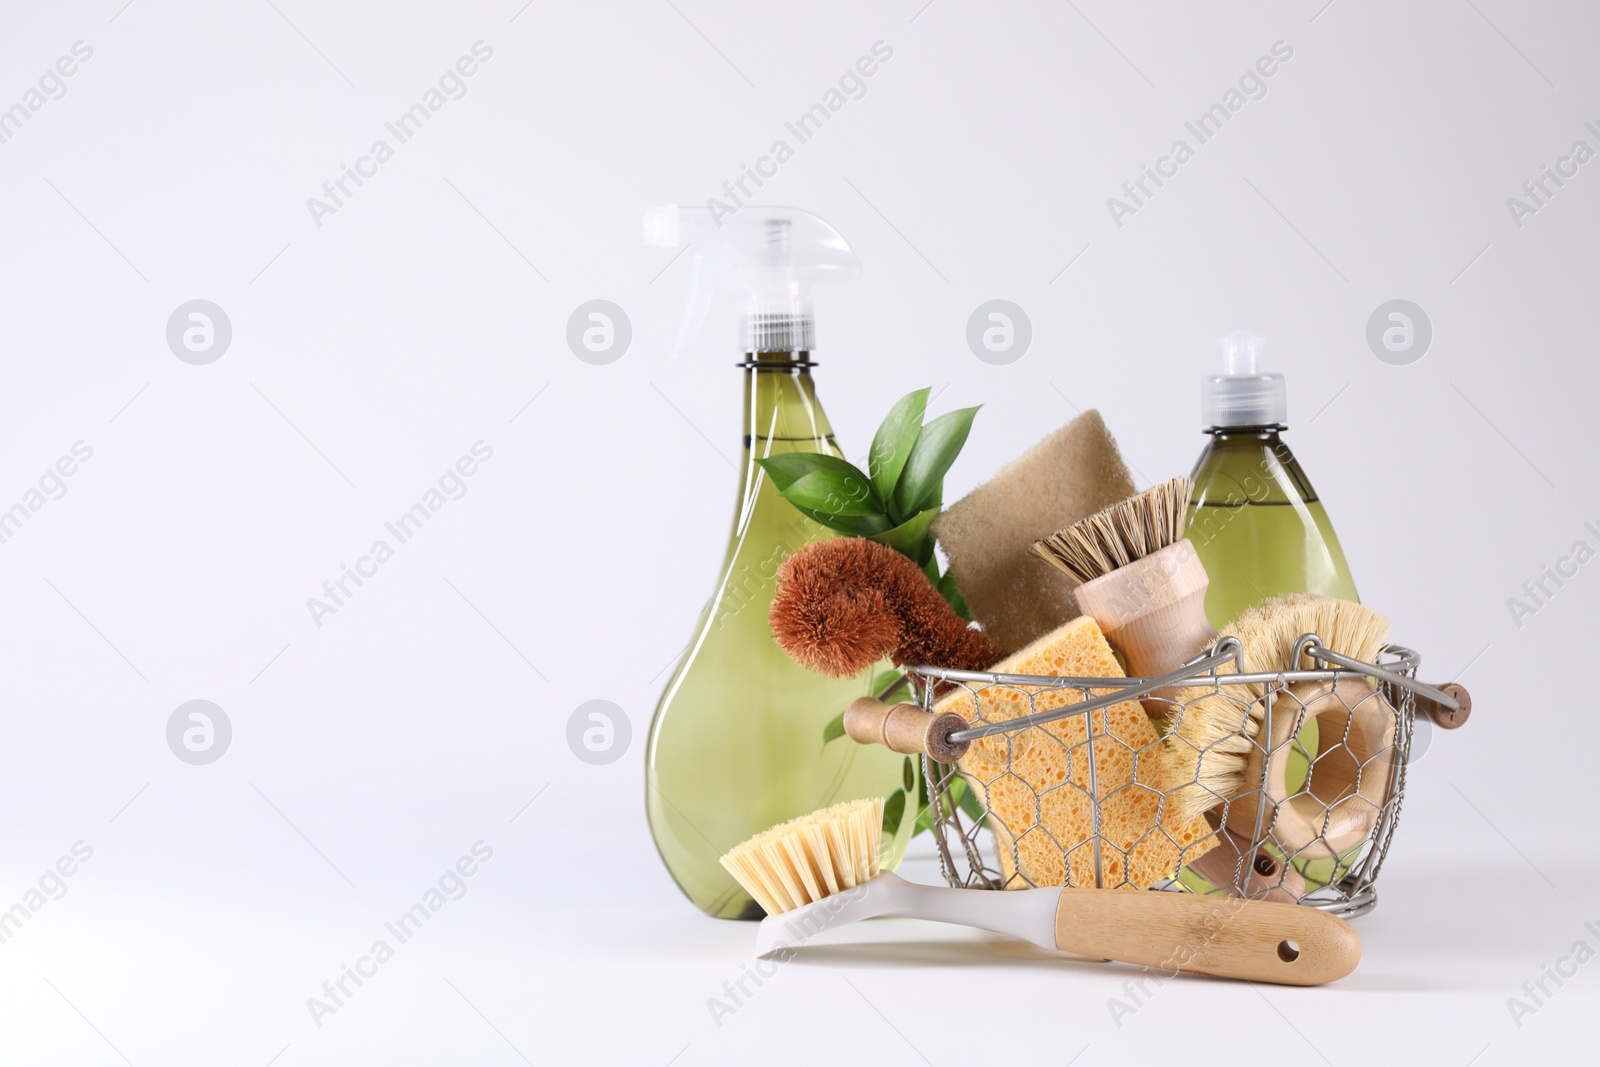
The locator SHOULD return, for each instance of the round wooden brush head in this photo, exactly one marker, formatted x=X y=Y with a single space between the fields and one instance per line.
x=1213 y=736
x=843 y=605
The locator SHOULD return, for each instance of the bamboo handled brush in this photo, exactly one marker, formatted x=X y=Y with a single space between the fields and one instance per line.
x=1142 y=580
x=820 y=871
x=1220 y=747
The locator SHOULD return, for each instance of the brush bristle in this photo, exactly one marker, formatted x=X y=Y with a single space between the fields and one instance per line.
x=812 y=857
x=1122 y=533
x=1209 y=747
x=843 y=605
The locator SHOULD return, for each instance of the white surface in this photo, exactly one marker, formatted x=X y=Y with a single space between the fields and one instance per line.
x=369 y=354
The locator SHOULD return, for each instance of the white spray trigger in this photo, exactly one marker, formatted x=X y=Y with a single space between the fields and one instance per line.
x=766 y=257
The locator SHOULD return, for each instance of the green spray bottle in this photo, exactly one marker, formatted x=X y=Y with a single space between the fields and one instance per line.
x=737 y=741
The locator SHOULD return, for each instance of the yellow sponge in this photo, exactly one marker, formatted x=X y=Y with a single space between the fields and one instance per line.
x=1036 y=783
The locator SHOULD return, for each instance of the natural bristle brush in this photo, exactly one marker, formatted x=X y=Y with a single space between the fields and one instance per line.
x=1142 y=580
x=1219 y=745
x=843 y=605
x=1144 y=584
x=821 y=871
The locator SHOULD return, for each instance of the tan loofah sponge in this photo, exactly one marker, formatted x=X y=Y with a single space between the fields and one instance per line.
x=989 y=533
x=1040 y=806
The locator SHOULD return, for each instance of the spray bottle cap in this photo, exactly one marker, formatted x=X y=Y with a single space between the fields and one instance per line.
x=767 y=257
x=1242 y=395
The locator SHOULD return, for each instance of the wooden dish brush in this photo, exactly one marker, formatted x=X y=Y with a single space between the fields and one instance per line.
x=1142 y=581
x=820 y=871
x=1217 y=744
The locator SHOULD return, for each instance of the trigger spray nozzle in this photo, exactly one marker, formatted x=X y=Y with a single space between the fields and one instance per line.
x=764 y=260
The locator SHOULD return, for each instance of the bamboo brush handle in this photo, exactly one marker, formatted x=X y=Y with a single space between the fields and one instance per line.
x=1154 y=611
x=905 y=728
x=1444 y=717
x=1257 y=940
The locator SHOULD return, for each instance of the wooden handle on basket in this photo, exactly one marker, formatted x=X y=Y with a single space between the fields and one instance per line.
x=1443 y=717
x=905 y=728
x=1254 y=939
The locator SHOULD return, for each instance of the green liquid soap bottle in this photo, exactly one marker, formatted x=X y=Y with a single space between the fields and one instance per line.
x=1254 y=518
x=736 y=745
x=1256 y=522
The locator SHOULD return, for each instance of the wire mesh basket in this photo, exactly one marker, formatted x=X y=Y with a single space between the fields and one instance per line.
x=1060 y=784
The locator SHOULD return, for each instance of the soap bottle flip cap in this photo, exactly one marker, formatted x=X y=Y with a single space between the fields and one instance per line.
x=1242 y=395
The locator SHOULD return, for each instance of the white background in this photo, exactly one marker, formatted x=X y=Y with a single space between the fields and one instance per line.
x=424 y=315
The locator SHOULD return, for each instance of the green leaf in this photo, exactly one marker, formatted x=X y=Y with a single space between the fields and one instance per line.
x=834 y=730
x=835 y=493
x=894 y=809
x=892 y=444
x=908 y=775
x=855 y=525
x=786 y=468
x=828 y=489
x=910 y=538
x=930 y=458
x=952 y=595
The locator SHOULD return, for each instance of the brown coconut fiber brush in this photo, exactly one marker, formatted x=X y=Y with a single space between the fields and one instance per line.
x=843 y=605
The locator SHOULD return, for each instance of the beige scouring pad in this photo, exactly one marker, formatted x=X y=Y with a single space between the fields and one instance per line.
x=988 y=534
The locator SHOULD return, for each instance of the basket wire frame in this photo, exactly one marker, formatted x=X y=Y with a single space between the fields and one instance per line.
x=969 y=833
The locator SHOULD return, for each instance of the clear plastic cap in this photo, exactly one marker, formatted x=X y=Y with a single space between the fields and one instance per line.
x=766 y=257
x=1242 y=395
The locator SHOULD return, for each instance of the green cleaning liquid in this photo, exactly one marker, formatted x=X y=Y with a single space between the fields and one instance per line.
x=736 y=744
x=1257 y=524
